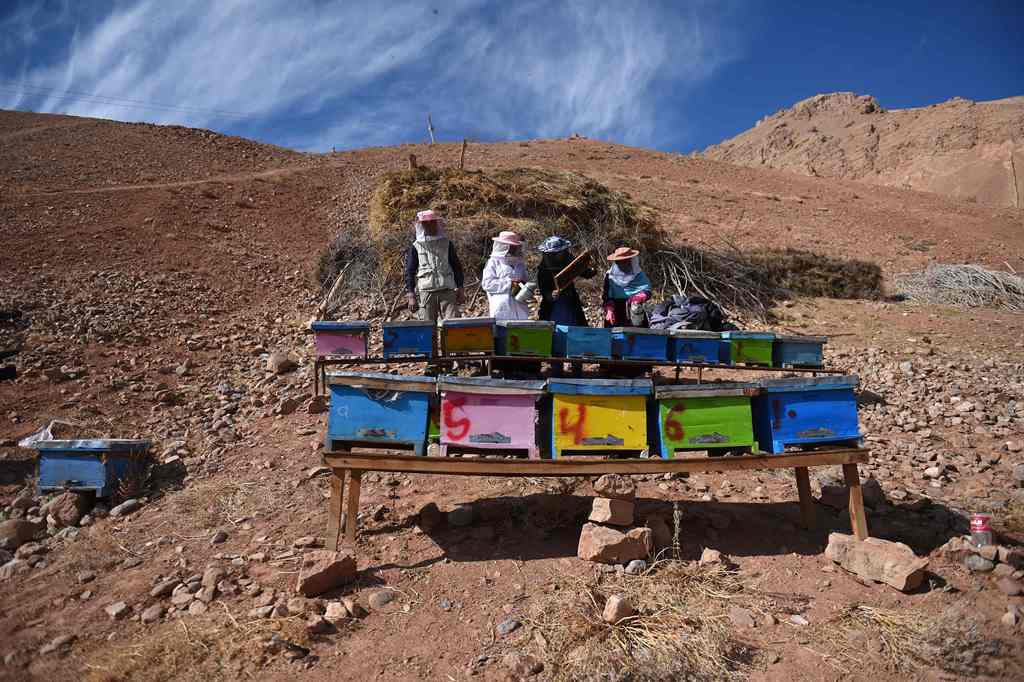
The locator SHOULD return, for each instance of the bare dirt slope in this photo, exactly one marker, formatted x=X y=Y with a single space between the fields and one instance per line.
x=960 y=148
x=151 y=298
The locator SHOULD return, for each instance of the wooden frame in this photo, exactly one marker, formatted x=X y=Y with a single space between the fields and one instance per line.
x=340 y=462
x=574 y=269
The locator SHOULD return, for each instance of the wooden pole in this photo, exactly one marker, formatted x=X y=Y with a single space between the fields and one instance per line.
x=412 y=162
x=803 y=487
x=354 y=478
x=334 y=506
x=430 y=128
x=858 y=521
x=462 y=156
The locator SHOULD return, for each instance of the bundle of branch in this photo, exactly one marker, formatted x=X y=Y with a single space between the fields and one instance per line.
x=964 y=286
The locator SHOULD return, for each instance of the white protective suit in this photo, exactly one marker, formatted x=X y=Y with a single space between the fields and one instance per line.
x=499 y=272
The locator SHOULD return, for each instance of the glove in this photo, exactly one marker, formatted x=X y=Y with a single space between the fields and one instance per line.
x=411 y=300
x=460 y=296
x=639 y=298
x=609 y=314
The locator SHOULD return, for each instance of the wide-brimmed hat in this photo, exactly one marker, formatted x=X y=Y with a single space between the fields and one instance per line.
x=510 y=238
x=426 y=216
x=554 y=245
x=623 y=253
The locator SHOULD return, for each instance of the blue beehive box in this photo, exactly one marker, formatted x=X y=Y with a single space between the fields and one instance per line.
x=805 y=412
x=798 y=351
x=583 y=342
x=409 y=339
x=372 y=409
x=89 y=465
x=637 y=343
x=689 y=345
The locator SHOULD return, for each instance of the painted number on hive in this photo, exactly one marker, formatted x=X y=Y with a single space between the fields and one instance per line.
x=673 y=429
x=457 y=427
x=568 y=426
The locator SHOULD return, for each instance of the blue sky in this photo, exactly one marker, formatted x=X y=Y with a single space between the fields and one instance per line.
x=317 y=74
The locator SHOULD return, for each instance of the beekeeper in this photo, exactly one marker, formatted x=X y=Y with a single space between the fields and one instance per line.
x=561 y=306
x=626 y=289
x=504 y=276
x=433 y=273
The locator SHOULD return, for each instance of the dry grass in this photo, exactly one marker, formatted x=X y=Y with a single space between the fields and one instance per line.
x=217 y=647
x=215 y=503
x=681 y=630
x=907 y=641
x=964 y=286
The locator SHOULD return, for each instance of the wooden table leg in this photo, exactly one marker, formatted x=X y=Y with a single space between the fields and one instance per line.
x=858 y=521
x=334 y=507
x=803 y=488
x=354 y=479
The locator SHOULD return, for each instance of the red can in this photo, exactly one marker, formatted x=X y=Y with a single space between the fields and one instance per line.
x=981 y=530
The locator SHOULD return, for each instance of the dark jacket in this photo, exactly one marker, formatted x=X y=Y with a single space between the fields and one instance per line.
x=412 y=266
x=568 y=299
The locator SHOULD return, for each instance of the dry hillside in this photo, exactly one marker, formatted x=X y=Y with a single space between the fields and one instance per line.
x=970 y=150
x=156 y=268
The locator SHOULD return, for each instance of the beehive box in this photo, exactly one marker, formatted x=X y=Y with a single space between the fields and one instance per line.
x=409 y=339
x=701 y=347
x=369 y=408
x=525 y=337
x=467 y=336
x=749 y=348
x=582 y=342
x=594 y=416
x=799 y=351
x=805 y=412
x=637 y=343
x=704 y=417
x=90 y=465
x=489 y=414
x=341 y=339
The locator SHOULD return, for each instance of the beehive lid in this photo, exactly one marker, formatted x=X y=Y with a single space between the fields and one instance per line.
x=410 y=323
x=488 y=386
x=808 y=384
x=713 y=390
x=639 y=330
x=469 y=322
x=802 y=339
x=95 y=445
x=757 y=336
x=353 y=326
x=600 y=386
x=694 y=334
x=381 y=381
x=526 y=324
x=570 y=328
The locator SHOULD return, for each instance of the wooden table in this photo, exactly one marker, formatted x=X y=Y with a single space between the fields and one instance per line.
x=355 y=463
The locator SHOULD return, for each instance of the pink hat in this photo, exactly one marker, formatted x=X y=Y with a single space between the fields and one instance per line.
x=426 y=216
x=623 y=253
x=510 y=238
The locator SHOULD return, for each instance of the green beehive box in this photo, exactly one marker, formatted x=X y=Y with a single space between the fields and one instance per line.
x=525 y=337
x=704 y=417
x=750 y=348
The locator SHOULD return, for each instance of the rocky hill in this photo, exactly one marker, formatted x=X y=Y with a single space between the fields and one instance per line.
x=960 y=148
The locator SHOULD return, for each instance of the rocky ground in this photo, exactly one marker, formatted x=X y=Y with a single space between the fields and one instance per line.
x=176 y=314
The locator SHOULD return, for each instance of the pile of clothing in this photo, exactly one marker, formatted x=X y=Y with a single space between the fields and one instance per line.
x=689 y=312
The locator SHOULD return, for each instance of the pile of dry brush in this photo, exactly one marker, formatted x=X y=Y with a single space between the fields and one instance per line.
x=538 y=203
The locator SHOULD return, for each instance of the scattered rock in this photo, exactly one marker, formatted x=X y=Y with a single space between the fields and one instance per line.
x=125 y=508
x=636 y=567
x=797 y=619
x=711 y=557
x=978 y=564
x=324 y=570
x=615 y=486
x=212 y=576
x=508 y=626
x=152 y=614
x=522 y=665
x=381 y=598
x=1010 y=619
x=86 y=577
x=741 y=617
x=612 y=546
x=616 y=608
x=182 y=598
x=164 y=587
x=57 y=644
x=197 y=608
x=279 y=362
x=354 y=608
x=1010 y=587
x=67 y=509
x=261 y=611
x=306 y=542
x=219 y=537
x=892 y=563
x=318 y=625
x=16 y=532
x=317 y=404
x=460 y=516
x=614 y=512
x=117 y=610
x=335 y=612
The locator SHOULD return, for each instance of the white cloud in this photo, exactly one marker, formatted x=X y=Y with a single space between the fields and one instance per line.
x=363 y=73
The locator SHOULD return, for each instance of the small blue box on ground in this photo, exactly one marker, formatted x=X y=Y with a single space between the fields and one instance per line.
x=409 y=339
x=636 y=343
x=814 y=411
x=372 y=409
x=97 y=465
x=583 y=342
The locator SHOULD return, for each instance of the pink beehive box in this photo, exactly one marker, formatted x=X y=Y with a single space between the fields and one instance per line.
x=341 y=339
x=489 y=414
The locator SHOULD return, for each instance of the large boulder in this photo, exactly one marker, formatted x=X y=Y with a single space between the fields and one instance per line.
x=68 y=508
x=612 y=546
x=16 y=532
x=615 y=486
x=892 y=563
x=324 y=570
x=615 y=512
